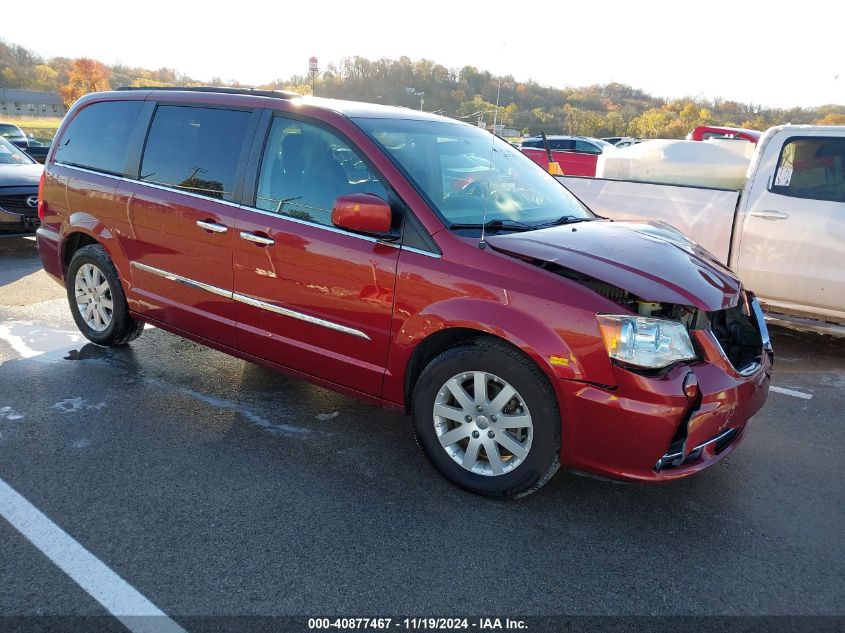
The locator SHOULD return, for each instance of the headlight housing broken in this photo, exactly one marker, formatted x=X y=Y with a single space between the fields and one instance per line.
x=645 y=341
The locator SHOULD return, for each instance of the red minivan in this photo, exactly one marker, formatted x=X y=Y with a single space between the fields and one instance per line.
x=328 y=239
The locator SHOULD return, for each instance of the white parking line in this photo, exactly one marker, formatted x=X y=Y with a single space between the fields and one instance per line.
x=792 y=392
x=118 y=597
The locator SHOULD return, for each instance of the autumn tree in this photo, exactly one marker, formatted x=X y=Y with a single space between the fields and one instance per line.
x=831 y=118
x=84 y=76
x=44 y=78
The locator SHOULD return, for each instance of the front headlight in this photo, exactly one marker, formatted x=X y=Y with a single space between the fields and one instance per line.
x=645 y=342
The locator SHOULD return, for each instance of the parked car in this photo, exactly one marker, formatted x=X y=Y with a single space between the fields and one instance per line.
x=19 y=177
x=627 y=142
x=517 y=328
x=14 y=135
x=705 y=132
x=35 y=148
x=38 y=150
x=783 y=232
x=576 y=155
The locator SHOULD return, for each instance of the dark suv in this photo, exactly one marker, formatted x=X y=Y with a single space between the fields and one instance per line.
x=360 y=247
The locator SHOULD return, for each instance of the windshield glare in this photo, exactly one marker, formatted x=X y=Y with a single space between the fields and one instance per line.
x=11 y=155
x=10 y=131
x=465 y=170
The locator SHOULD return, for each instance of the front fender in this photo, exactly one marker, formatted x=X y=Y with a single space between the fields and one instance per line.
x=530 y=334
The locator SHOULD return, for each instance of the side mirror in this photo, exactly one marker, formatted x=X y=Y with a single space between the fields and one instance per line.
x=362 y=213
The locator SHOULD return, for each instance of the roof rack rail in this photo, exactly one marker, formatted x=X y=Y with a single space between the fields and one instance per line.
x=273 y=94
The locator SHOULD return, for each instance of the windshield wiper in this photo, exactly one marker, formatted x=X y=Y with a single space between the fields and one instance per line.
x=496 y=225
x=565 y=219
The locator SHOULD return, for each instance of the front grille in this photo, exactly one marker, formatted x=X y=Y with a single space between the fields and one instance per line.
x=16 y=203
x=676 y=459
x=739 y=335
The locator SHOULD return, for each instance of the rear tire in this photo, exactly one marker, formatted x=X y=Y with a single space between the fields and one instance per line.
x=505 y=443
x=96 y=298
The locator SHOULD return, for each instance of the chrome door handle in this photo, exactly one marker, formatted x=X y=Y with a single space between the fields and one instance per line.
x=257 y=239
x=212 y=226
x=770 y=215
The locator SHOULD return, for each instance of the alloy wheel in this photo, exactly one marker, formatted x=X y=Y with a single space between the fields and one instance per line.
x=93 y=297
x=482 y=423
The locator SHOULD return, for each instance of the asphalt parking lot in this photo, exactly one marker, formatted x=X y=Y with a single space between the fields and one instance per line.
x=215 y=487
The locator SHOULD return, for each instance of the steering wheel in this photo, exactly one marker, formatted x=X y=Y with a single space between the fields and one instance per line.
x=498 y=196
x=480 y=189
x=475 y=188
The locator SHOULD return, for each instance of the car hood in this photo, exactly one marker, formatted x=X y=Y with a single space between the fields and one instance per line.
x=20 y=175
x=648 y=259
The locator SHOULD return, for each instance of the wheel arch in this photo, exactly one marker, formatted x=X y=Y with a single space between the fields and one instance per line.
x=440 y=327
x=72 y=243
x=83 y=229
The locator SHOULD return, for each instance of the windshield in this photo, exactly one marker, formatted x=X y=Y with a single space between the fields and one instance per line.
x=11 y=155
x=10 y=131
x=464 y=171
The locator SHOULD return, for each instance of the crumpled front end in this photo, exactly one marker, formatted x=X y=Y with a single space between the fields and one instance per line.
x=654 y=426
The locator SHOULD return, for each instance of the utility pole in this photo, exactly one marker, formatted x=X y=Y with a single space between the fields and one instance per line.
x=496 y=111
x=416 y=93
x=313 y=68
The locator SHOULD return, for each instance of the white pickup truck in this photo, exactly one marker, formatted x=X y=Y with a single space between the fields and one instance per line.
x=783 y=233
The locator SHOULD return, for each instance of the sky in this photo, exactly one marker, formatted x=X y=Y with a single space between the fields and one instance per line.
x=767 y=53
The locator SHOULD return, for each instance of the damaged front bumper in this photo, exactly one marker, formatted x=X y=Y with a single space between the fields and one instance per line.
x=666 y=426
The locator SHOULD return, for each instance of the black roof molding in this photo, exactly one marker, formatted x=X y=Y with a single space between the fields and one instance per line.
x=273 y=94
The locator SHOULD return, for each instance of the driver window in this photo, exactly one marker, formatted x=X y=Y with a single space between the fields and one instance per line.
x=305 y=168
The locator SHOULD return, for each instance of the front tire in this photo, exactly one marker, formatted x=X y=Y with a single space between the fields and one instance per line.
x=96 y=298
x=487 y=419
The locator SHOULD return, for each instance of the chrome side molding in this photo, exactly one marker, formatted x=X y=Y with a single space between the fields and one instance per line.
x=298 y=315
x=246 y=299
x=220 y=292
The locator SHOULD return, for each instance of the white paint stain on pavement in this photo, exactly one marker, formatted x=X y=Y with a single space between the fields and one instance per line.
x=220 y=403
x=31 y=340
x=792 y=392
x=72 y=405
x=8 y=413
x=325 y=417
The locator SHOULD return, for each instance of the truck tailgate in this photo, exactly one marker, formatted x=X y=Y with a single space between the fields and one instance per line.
x=704 y=215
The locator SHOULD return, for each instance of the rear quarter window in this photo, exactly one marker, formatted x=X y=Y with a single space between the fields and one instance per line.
x=587 y=147
x=565 y=145
x=98 y=136
x=811 y=167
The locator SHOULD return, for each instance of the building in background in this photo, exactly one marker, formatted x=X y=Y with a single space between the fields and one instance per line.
x=30 y=103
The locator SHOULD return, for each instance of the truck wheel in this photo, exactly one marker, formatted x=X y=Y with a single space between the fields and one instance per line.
x=486 y=417
x=96 y=299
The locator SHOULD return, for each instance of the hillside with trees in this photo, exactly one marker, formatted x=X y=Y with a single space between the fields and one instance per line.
x=465 y=93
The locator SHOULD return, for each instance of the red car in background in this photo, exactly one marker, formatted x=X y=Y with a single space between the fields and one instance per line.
x=576 y=155
x=704 y=132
